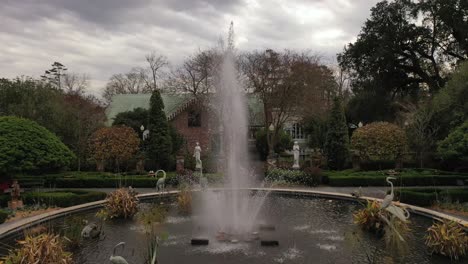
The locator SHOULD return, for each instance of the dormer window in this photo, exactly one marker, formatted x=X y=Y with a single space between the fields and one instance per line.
x=194 y=118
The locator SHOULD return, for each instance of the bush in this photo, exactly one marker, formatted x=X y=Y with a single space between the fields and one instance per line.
x=62 y=198
x=26 y=146
x=121 y=203
x=283 y=143
x=455 y=145
x=313 y=176
x=3 y=216
x=447 y=238
x=114 y=144
x=428 y=197
x=379 y=141
x=293 y=176
x=44 y=249
x=442 y=180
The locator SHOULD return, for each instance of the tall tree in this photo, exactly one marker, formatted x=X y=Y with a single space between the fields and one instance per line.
x=160 y=142
x=405 y=50
x=74 y=83
x=132 y=82
x=156 y=63
x=196 y=75
x=337 y=142
x=55 y=74
x=289 y=84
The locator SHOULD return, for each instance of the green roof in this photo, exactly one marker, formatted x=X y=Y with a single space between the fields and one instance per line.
x=173 y=103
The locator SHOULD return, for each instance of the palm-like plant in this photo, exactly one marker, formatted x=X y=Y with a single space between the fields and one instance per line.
x=447 y=238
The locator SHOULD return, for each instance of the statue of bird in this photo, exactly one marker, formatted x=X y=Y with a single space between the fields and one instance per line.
x=90 y=231
x=118 y=259
x=389 y=197
x=161 y=183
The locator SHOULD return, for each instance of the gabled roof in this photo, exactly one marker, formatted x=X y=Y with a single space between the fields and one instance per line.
x=173 y=105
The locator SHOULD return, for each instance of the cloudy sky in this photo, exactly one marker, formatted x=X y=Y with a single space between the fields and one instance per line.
x=103 y=37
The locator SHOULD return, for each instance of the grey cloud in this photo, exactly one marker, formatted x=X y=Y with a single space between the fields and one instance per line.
x=103 y=37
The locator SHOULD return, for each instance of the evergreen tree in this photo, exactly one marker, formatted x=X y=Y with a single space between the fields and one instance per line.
x=160 y=142
x=337 y=141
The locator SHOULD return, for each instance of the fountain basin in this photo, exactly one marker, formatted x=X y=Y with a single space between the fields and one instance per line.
x=311 y=230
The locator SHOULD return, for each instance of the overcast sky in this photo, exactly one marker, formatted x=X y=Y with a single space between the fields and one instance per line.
x=103 y=37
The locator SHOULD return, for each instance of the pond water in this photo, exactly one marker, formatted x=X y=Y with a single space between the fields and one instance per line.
x=309 y=230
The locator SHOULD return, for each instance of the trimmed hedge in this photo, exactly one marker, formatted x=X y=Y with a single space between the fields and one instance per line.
x=105 y=180
x=406 y=177
x=427 y=197
x=430 y=180
x=3 y=216
x=63 y=198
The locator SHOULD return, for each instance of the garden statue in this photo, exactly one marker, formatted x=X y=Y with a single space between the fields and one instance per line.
x=196 y=154
x=90 y=231
x=15 y=196
x=395 y=211
x=161 y=183
x=146 y=134
x=296 y=152
x=118 y=259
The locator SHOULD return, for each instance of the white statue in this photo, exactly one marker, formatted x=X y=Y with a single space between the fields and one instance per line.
x=196 y=154
x=296 y=153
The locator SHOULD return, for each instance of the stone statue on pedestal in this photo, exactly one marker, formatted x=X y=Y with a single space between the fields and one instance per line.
x=296 y=152
x=15 y=196
x=196 y=154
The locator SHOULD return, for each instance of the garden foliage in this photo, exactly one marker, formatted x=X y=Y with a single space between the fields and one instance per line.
x=160 y=141
x=447 y=238
x=379 y=141
x=117 y=144
x=455 y=146
x=337 y=141
x=26 y=146
x=283 y=142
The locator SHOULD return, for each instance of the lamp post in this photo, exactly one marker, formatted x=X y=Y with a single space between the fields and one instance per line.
x=271 y=129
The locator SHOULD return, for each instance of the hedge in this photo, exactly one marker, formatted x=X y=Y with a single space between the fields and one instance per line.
x=3 y=216
x=103 y=180
x=64 y=198
x=427 y=197
x=440 y=180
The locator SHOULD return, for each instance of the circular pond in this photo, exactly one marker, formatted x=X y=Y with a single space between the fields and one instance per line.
x=309 y=230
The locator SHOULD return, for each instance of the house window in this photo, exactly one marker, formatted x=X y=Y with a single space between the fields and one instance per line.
x=194 y=118
x=296 y=131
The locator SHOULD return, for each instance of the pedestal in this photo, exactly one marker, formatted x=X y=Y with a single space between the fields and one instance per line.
x=15 y=204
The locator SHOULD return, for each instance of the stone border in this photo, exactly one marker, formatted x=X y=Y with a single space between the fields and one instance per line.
x=19 y=225
x=7 y=229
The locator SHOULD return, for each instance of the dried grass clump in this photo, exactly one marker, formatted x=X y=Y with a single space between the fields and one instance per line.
x=121 y=203
x=42 y=249
x=184 y=201
x=447 y=238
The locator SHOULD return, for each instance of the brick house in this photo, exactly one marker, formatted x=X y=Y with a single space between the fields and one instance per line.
x=191 y=118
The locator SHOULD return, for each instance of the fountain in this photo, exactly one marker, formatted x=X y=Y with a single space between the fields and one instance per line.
x=231 y=212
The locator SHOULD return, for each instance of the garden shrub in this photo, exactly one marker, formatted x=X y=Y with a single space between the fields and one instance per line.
x=3 y=216
x=428 y=197
x=114 y=144
x=313 y=176
x=381 y=141
x=121 y=203
x=290 y=176
x=455 y=146
x=43 y=248
x=26 y=146
x=447 y=238
x=63 y=198
x=283 y=142
x=442 y=180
